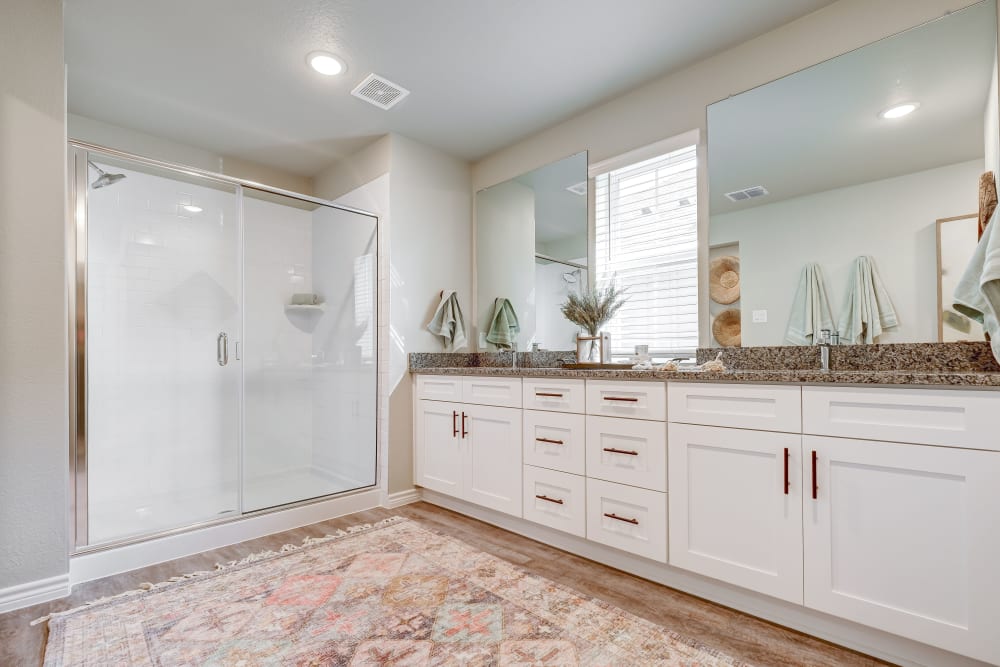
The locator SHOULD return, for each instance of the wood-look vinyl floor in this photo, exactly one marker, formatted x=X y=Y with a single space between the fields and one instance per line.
x=732 y=632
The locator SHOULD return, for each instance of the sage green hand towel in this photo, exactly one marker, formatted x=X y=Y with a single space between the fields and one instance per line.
x=811 y=309
x=868 y=311
x=978 y=292
x=504 y=326
x=448 y=322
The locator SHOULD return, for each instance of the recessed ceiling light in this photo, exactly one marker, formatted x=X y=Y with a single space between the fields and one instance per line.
x=899 y=110
x=191 y=208
x=326 y=63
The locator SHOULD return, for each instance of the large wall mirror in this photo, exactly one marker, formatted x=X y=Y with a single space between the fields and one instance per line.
x=857 y=157
x=531 y=249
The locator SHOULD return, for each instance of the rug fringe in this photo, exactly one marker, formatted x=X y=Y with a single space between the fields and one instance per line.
x=146 y=587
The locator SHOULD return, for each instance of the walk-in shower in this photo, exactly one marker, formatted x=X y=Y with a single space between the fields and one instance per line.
x=224 y=339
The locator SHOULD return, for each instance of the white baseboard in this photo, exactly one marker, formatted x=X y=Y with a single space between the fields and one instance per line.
x=883 y=645
x=34 y=592
x=90 y=566
x=401 y=498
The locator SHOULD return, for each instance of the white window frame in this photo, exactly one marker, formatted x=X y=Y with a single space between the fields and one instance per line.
x=669 y=145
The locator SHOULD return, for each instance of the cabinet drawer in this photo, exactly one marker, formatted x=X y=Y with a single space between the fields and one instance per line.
x=555 y=395
x=638 y=400
x=757 y=407
x=922 y=416
x=627 y=451
x=555 y=499
x=503 y=392
x=439 y=388
x=554 y=440
x=627 y=518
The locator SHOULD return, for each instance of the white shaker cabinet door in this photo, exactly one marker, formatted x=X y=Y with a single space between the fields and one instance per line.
x=492 y=459
x=438 y=447
x=736 y=507
x=905 y=538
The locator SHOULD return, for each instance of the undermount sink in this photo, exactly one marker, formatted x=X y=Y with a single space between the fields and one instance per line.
x=584 y=367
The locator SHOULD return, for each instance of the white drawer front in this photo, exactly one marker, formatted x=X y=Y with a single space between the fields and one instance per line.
x=757 y=407
x=556 y=395
x=555 y=440
x=639 y=400
x=555 y=499
x=627 y=451
x=627 y=518
x=439 y=388
x=503 y=392
x=923 y=416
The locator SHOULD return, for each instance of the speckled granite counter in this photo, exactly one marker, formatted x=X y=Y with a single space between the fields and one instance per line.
x=932 y=365
x=967 y=380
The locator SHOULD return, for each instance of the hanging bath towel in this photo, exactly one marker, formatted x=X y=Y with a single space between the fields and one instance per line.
x=978 y=292
x=504 y=326
x=448 y=322
x=868 y=310
x=811 y=309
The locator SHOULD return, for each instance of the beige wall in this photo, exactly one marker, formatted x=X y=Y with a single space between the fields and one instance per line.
x=151 y=146
x=426 y=226
x=676 y=103
x=34 y=446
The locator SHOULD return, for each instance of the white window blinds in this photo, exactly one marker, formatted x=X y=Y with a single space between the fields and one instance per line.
x=647 y=241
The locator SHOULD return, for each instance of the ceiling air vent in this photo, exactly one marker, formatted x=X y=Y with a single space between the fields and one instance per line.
x=748 y=193
x=381 y=92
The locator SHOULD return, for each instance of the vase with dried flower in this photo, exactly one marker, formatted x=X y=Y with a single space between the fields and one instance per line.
x=591 y=309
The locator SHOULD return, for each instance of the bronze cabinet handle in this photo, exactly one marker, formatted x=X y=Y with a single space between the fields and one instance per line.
x=612 y=515
x=454 y=423
x=621 y=451
x=550 y=441
x=787 y=485
x=464 y=432
x=557 y=501
x=548 y=395
x=621 y=398
x=815 y=485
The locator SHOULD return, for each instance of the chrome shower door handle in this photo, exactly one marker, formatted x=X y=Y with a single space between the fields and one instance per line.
x=222 y=348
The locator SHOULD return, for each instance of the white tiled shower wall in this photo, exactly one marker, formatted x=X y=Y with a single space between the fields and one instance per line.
x=164 y=418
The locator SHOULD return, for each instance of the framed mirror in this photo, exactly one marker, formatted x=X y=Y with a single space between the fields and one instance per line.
x=531 y=249
x=856 y=157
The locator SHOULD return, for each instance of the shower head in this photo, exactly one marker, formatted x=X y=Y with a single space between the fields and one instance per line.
x=104 y=178
x=571 y=276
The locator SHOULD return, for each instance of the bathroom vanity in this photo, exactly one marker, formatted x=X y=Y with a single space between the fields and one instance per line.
x=865 y=497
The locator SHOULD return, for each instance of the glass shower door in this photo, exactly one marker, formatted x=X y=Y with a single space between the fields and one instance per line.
x=309 y=362
x=163 y=322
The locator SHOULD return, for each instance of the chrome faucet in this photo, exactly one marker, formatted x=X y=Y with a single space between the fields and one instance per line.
x=824 y=350
x=513 y=356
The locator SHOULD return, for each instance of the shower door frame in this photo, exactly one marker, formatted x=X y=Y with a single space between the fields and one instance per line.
x=76 y=253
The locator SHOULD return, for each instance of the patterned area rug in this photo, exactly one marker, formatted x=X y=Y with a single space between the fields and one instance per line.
x=391 y=594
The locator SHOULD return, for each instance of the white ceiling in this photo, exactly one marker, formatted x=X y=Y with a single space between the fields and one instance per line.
x=230 y=75
x=819 y=129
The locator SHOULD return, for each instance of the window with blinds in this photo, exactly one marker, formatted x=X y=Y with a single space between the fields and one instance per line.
x=647 y=241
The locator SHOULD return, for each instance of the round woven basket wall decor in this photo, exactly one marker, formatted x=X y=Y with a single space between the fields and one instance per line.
x=726 y=328
x=724 y=279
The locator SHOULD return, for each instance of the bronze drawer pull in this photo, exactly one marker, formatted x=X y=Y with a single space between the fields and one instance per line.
x=815 y=485
x=557 y=501
x=621 y=451
x=550 y=441
x=621 y=398
x=612 y=515
x=547 y=394
x=787 y=484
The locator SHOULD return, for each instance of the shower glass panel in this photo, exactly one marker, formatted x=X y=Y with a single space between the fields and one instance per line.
x=162 y=307
x=309 y=355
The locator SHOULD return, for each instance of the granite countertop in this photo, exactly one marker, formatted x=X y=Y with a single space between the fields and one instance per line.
x=873 y=377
